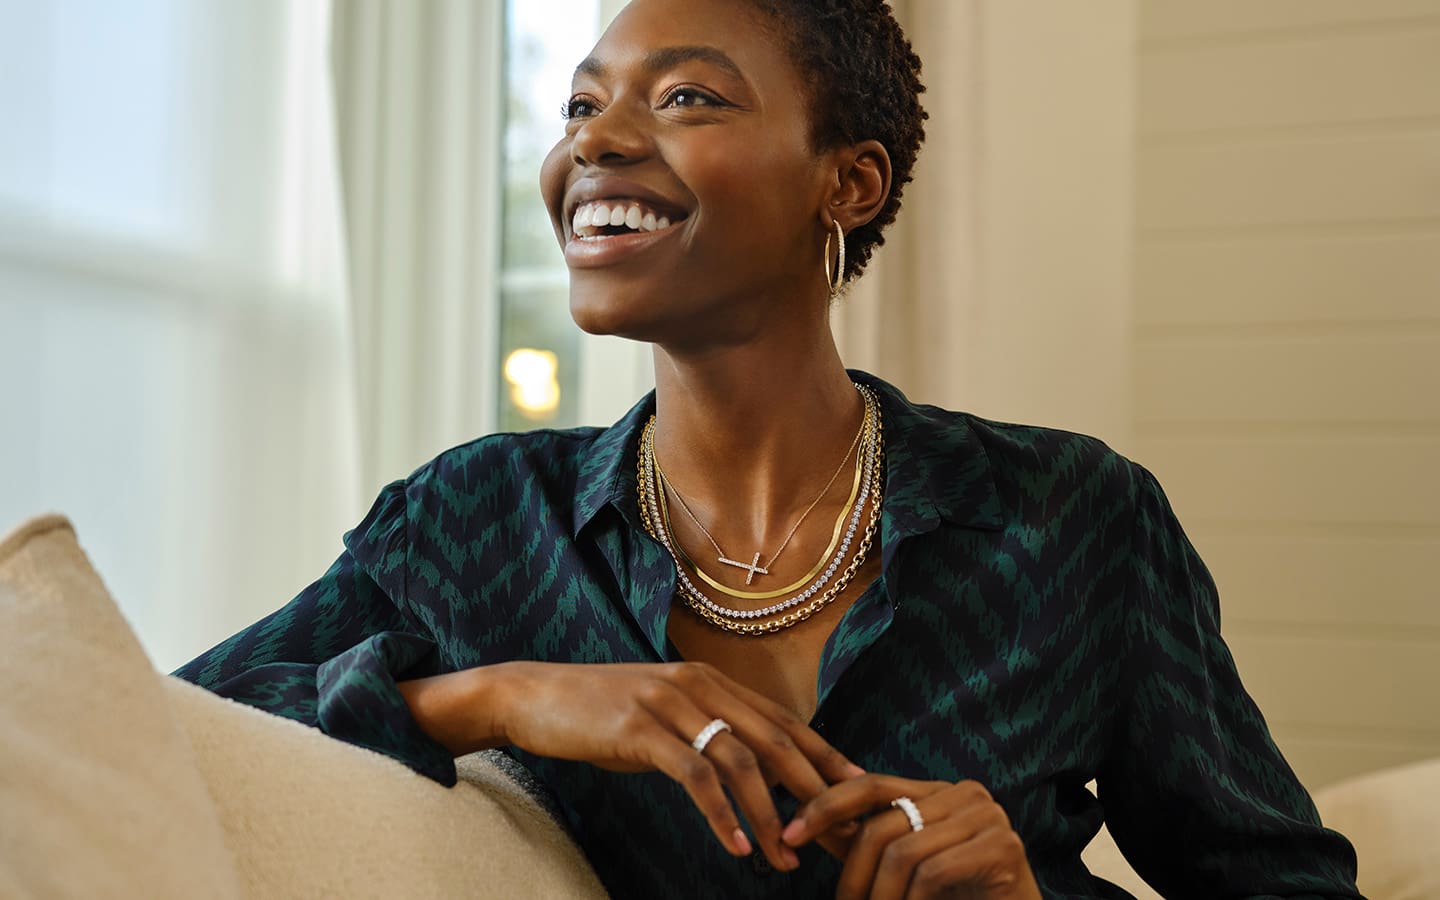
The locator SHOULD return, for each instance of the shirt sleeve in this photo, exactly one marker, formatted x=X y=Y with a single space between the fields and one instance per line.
x=331 y=657
x=1196 y=794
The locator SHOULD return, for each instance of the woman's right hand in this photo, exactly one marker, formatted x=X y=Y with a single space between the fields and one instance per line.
x=642 y=717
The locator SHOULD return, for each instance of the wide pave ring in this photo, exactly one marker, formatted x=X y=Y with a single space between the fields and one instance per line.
x=702 y=740
x=911 y=811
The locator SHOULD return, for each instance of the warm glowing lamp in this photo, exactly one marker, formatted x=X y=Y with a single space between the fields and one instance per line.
x=534 y=388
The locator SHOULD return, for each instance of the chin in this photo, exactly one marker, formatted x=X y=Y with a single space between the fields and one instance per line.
x=608 y=312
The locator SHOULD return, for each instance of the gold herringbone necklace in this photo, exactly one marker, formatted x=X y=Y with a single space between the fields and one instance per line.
x=754 y=567
x=781 y=615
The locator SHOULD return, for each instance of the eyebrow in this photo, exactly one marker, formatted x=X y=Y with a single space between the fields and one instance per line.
x=668 y=58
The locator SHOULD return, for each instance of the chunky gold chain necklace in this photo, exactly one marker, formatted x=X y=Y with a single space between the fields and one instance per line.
x=799 y=607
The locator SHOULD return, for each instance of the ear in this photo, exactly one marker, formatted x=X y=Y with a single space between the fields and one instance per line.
x=861 y=187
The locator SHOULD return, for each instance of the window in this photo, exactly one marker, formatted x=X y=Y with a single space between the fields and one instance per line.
x=172 y=323
x=552 y=374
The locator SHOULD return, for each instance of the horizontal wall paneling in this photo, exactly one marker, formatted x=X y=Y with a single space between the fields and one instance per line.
x=1173 y=20
x=1241 y=280
x=1276 y=480
x=1354 y=582
x=1336 y=180
x=1385 y=374
x=1335 y=78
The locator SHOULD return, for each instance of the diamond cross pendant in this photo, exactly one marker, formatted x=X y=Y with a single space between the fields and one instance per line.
x=752 y=568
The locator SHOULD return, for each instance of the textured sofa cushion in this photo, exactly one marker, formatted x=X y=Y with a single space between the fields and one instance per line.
x=99 y=792
x=309 y=816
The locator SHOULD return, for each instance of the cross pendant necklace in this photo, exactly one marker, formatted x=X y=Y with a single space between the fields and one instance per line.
x=752 y=568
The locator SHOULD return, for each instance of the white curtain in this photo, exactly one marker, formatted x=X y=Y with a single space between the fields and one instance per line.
x=173 y=324
x=420 y=116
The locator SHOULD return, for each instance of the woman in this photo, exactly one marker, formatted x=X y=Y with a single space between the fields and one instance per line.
x=778 y=611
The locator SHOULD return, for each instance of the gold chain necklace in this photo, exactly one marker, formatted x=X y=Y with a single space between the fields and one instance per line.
x=797 y=616
x=744 y=621
x=867 y=431
x=657 y=508
x=753 y=567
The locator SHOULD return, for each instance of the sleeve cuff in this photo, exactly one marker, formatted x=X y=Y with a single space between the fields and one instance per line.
x=360 y=704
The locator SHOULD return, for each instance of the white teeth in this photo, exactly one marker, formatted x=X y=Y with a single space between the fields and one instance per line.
x=590 y=217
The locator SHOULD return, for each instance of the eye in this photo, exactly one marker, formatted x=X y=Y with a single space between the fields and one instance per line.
x=579 y=106
x=686 y=97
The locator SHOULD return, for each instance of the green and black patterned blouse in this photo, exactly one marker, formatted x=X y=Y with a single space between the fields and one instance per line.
x=1040 y=621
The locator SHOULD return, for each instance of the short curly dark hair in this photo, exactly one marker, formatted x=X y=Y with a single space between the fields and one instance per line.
x=864 y=83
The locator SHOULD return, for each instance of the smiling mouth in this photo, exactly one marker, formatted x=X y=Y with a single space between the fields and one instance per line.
x=607 y=218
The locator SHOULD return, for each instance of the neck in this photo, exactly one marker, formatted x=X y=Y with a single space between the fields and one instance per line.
x=751 y=433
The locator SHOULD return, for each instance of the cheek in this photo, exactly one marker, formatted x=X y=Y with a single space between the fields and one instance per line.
x=553 y=173
x=753 y=186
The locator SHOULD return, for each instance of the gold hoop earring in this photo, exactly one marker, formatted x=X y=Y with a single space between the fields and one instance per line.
x=833 y=282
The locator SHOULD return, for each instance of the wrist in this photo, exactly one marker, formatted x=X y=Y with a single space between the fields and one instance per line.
x=464 y=711
x=495 y=694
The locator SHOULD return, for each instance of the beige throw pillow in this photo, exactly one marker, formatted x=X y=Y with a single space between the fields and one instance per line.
x=99 y=792
x=310 y=816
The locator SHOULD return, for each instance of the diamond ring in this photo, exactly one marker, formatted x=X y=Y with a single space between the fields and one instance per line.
x=911 y=811
x=702 y=740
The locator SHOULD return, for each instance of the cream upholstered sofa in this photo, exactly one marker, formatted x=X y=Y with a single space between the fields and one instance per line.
x=117 y=781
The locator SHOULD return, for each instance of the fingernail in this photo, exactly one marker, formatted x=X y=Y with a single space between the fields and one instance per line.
x=792 y=832
x=791 y=860
x=854 y=770
x=742 y=843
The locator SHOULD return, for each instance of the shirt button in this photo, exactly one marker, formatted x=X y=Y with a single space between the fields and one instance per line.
x=761 y=863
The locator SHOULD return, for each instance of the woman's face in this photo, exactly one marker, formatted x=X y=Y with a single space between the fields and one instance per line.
x=688 y=129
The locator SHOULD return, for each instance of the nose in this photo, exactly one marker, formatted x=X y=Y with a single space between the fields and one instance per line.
x=612 y=137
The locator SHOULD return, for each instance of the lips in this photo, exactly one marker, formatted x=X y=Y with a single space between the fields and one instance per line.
x=610 y=220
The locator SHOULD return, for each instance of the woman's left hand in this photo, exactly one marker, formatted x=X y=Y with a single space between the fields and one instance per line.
x=966 y=847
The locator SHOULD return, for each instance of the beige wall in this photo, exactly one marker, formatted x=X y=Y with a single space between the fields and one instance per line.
x=1004 y=286
x=1287 y=350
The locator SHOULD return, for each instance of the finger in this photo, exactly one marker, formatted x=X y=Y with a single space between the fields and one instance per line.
x=767 y=728
x=862 y=862
x=884 y=858
x=897 y=862
x=740 y=771
x=990 y=860
x=852 y=799
x=837 y=841
x=698 y=777
x=731 y=758
x=780 y=758
x=831 y=765
x=773 y=754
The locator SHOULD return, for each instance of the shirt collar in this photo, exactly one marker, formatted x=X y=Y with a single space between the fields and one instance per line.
x=608 y=466
x=936 y=467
